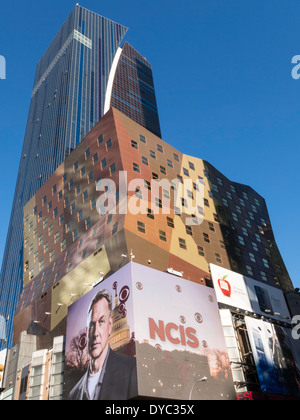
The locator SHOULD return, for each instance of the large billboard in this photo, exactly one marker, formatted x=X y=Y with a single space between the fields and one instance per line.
x=244 y=293
x=165 y=330
x=275 y=357
x=230 y=288
x=99 y=355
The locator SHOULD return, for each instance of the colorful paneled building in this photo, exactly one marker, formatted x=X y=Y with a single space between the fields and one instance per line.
x=69 y=246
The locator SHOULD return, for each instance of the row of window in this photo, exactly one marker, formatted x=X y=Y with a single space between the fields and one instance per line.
x=75 y=236
x=153 y=155
x=83 y=172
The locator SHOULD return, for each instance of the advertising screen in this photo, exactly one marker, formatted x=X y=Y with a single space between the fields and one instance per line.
x=180 y=346
x=244 y=293
x=273 y=354
x=164 y=336
x=230 y=288
x=267 y=300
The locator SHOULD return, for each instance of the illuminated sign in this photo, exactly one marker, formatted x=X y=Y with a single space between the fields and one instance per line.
x=166 y=330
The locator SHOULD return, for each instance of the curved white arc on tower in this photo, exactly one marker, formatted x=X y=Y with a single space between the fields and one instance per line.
x=111 y=79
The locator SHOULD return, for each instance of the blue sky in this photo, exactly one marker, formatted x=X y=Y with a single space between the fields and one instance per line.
x=222 y=71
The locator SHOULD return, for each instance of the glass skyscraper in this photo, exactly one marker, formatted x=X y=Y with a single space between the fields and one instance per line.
x=78 y=78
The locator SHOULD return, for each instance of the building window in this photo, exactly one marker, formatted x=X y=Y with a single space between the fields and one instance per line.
x=68 y=227
x=245 y=232
x=100 y=140
x=152 y=154
x=91 y=177
x=265 y=262
x=225 y=202
x=87 y=153
x=248 y=223
x=158 y=202
x=50 y=231
x=263 y=276
x=211 y=226
x=75 y=166
x=88 y=223
x=142 y=138
x=191 y=166
x=201 y=251
x=169 y=163
x=136 y=167
x=95 y=158
x=63 y=245
x=150 y=214
x=103 y=163
x=56 y=237
x=108 y=145
x=93 y=202
x=252 y=257
x=189 y=230
x=112 y=169
x=85 y=196
x=80 y=215
x=141 y=227
x=138 y=193
x=206 y=203
x=159 y=148
x=51 y=255
x=176 y=157
x=144 y=160
x=75 y=234
x=182 y=243
x=249 y=270
x=186 y=172
x=134 y=144
x=218 y=258
x=170 y=222
x=257 y=237
x=206 y=237
x=162 y=236
x=241 y=240
x=78 y=188
x=147 y=185
x=163 y=170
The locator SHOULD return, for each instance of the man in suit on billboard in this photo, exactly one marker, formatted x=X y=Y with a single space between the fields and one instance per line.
x=110 y=375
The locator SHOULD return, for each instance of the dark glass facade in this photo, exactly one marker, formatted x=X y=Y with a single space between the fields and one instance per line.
x=133 y=90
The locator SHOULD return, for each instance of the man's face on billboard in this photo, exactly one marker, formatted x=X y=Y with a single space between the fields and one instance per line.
x=99 y=328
